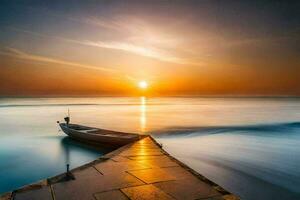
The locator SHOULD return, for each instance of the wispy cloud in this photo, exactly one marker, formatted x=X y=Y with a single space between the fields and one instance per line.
x=135 y=36
x=136 y=49
x=37 y=58
x=139 y=39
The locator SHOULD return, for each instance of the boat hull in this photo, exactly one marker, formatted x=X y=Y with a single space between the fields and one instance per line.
x=106 y=137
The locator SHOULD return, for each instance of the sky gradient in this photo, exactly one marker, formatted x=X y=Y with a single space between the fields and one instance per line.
x=178 y=47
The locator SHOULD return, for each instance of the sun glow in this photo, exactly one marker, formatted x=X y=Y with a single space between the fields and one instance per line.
x=143 y=85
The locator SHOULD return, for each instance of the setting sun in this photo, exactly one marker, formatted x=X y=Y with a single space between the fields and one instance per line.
x=143 y=84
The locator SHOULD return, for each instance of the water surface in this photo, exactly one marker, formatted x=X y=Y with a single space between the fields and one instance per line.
x=250 y=146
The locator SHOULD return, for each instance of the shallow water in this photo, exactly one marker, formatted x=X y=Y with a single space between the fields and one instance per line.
x=250 y=146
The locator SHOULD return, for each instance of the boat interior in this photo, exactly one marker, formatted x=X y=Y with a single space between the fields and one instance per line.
x=91 y=130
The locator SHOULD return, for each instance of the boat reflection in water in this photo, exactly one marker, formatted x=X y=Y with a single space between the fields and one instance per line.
x=71 y=148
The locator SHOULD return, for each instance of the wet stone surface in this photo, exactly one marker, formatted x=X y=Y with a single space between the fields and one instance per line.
x=139 y=171
x=36 y=194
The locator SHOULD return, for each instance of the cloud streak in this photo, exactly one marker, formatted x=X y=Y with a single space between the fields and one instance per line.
x=136 y=49
x=138 y=38
x=25 y=56
x=151 y=47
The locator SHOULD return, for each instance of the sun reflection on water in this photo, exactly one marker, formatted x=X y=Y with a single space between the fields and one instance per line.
x=143 y=119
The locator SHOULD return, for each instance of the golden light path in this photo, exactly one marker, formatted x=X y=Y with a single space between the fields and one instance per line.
x=143 y=118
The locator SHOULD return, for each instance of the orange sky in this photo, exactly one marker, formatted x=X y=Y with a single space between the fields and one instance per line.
x=178 y=48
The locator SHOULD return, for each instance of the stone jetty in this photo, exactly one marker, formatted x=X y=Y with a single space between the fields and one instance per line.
x=138 y=171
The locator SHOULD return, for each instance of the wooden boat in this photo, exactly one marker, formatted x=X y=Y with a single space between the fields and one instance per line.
x=96 y=135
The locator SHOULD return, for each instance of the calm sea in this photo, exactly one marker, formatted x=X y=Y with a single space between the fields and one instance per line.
x=250 y=146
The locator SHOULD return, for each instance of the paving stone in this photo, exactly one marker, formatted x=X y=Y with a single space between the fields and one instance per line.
x=187 y=189
x=86 y=183
x=84 y=188
x=36 y=194
x=120 y=159
x=118 y=180
x=89 y=172
x=224 y=197
x=140 y=146
x=111 y=195
x=141 y=152
x=212 y=198
x=145 y=192
x=147 y=146
x=180 y=173
x=152 y=175
x=159 y=162
x=145 y=157
x=145 y=143
x=109 y=167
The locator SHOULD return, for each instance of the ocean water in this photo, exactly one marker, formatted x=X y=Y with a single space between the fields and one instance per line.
x=249 y=146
